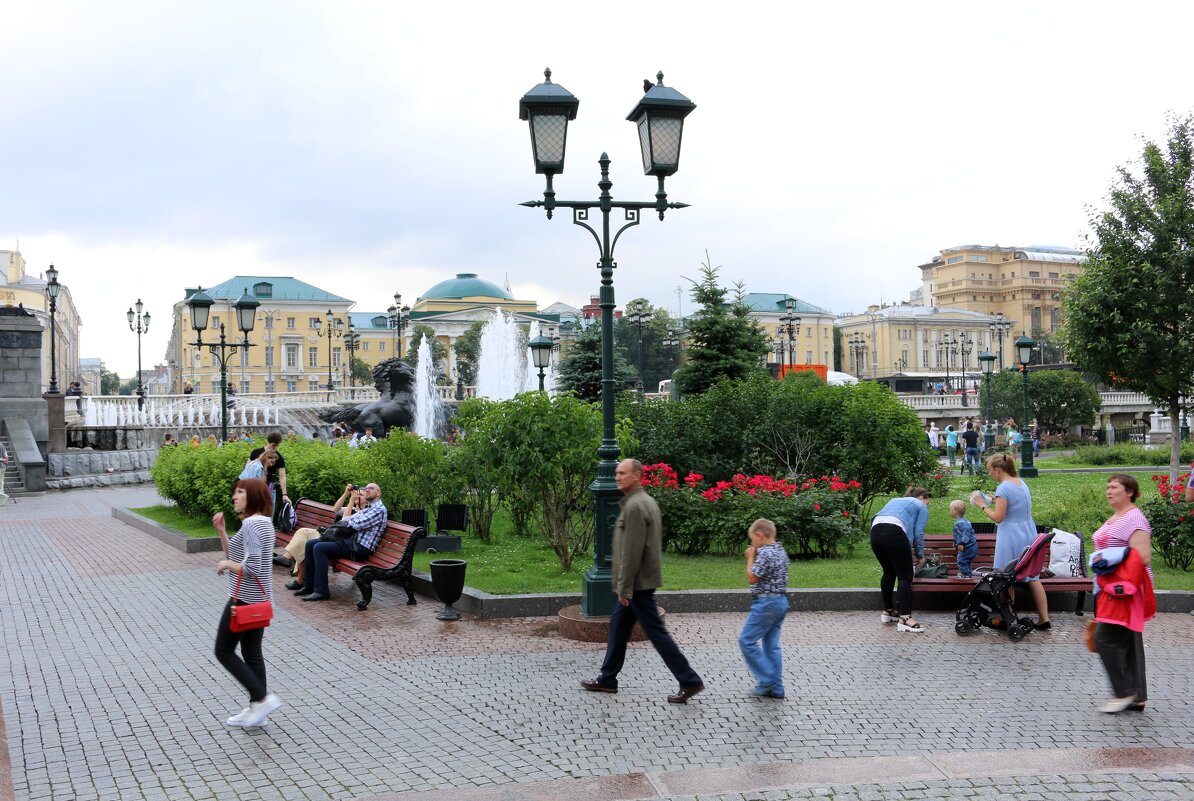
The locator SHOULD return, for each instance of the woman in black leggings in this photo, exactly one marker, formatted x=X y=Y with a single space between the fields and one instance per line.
x=898 y=540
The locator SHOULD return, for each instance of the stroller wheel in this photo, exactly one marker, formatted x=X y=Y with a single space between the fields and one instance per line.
x=962 y=628
x=1015 y=633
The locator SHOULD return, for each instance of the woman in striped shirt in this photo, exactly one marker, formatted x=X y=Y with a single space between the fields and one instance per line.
x=249 y=553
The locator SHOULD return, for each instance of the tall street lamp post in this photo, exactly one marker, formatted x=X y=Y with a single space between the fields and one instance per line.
x=246 y=315
x=659 y=118
x=987 y=360
x=53 y=288
x=142 y=327
x=999 y=328
x=351 y=342
x=965 y=347
x=1024 y=346
x=334 y=328
x=789 y=328
x=541 y=348
x=639 y=315
x=396 y=316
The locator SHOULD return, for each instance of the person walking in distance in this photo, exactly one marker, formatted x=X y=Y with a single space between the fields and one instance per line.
x=637 y=573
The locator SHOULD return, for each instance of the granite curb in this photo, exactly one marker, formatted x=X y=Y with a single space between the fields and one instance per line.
x=170 y=536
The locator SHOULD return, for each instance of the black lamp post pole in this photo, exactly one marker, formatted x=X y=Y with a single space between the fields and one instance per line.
x=52 y=290
x=142 y=326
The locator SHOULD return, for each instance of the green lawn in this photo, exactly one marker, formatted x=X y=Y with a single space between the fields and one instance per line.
x=176 y=519
x=512 y=564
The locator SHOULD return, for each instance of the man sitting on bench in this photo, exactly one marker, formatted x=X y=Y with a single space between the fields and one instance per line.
x=368 y=521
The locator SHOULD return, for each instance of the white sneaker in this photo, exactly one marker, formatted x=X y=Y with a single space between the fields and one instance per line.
x=259 y=712
x=240 y=717
x=1117 y=704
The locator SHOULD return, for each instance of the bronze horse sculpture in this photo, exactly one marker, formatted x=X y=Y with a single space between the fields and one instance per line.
x=395 y=380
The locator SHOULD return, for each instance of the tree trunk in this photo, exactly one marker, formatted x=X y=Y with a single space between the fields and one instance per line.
x=1175 y=445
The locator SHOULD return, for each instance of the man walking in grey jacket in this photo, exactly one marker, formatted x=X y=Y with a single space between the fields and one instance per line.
x=637 y=573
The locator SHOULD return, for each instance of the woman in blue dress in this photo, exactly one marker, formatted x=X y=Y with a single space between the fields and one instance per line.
x=1011 y=510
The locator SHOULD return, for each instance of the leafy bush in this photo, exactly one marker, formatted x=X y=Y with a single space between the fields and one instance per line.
x=1172 y=520
x=814 y=517
x=1129 y=453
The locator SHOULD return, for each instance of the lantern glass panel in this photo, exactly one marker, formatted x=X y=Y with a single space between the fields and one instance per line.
x=548 y=135
x=665 y=141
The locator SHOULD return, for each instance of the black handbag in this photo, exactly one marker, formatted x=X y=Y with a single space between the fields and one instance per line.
x=337 y=532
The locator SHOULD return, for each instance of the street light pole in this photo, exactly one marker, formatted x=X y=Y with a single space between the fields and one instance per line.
x=397 y=320
x=987 y=359
x=142 y=327
x=659 y=118
x=1024 y=346
x=334 y=329
x=965 y=347
x=999 y=328
x=789 y=326
x=53 y=288
x=350 y=343
x=639 y=315
x=246 y=315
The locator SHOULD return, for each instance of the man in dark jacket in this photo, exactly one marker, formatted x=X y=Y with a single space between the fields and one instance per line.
x=637 y=573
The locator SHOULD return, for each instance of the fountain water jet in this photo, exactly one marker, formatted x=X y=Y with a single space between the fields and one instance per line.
x=429 y=406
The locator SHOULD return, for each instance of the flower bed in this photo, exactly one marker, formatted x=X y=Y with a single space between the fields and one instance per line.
x=814 y=516
x=1172 y=519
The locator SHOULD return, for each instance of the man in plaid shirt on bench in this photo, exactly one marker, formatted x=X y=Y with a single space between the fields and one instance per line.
x=369 y=522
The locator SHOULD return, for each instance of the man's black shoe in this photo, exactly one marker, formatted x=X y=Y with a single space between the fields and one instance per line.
x=284 y=561
x=594 y=686
x=684 y=694
x=304 y=591
x=317 y=596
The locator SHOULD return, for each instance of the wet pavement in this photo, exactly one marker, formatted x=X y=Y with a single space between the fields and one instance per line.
x=109 y=690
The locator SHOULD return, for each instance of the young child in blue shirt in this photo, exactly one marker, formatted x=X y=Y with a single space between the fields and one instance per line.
x=767 y=573
x=964 y=540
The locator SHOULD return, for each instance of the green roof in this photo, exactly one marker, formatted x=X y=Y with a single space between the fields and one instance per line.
x=775 y=302
x=466 y=285
x=269 y=287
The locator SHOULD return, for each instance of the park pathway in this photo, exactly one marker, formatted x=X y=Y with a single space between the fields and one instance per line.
x=109 y=690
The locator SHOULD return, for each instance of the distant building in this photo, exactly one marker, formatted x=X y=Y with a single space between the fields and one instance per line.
x=90 y=373
x=20 y=288
x=813 y=343
x=1024 y=284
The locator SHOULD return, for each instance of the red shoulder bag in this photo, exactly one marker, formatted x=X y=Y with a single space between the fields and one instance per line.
x=250 y=616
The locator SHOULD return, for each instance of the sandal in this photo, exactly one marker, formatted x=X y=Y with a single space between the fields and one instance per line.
x=888 y=616
x=908 y=624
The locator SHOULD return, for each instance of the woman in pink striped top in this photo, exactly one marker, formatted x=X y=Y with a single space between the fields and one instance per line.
x=1121 y=648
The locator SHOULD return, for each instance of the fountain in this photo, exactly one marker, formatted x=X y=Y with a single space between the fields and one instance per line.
x=502 y=368
x=429 y=406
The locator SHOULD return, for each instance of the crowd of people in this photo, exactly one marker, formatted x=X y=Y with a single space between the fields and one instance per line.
x=965 y=446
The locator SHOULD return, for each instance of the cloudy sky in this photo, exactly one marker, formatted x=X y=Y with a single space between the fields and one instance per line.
x=374 y=147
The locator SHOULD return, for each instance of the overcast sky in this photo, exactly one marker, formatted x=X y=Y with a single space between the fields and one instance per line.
x=369 y=148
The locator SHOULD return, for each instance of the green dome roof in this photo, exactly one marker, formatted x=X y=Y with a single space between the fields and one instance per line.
x=466 y=285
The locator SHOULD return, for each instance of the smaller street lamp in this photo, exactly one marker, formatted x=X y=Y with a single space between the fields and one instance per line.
x=999 y=328
x=396 y=316
x=639 y=314
x=541 y=348
x=789 y=329
x=52 y=290
x=142 y=327
x=965 y=347
x=351 y=342
x=1024 y=346
x=987 y=360
x=335 y=328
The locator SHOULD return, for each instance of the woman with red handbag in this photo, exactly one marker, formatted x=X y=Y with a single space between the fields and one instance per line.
x=250 y=603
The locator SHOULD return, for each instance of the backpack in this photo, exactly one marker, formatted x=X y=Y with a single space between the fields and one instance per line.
x=932 y=568
x=287 y=519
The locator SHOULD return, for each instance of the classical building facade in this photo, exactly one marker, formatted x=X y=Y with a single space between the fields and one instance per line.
x=914 y=347
x=22 y=289
x=812 y=342
x=1022 y=284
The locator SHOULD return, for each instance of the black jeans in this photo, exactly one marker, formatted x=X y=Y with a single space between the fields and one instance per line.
x=249 y=671
x=894 y=552
x=642 y=610
x=1122 y=652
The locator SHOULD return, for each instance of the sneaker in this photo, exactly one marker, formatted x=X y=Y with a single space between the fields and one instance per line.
x=761 y=692
x=240 y=717
x=776 y=692
x=964 y=575
x=259 y=711
x=888 y=616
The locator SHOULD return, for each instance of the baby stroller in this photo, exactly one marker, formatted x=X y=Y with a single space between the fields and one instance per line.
x=992 y=597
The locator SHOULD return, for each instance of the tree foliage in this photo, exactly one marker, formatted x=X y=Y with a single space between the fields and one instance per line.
x=1057 y=399
x=580 y=372
x=723 y=340
x=1129 y=318
x=468 y=352
x=109 y=382
x=657 y=360
x=362 y=373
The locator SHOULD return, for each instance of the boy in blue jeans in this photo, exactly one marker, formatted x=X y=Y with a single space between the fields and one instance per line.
x=767 y=572
x=964 y=540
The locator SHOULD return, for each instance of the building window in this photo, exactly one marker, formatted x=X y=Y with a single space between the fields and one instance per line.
x=290 y=321
x=244 y=357
x=1013 y=275
x=269 y=385
x=292 y=356
x=312 y=384
x=263 y=290
x=313 y=322
x=1036 y=318
x=1036 y=295
x=244 y=386
x=954 y=259
x=1034 y=274
x=215 y=321
x=313 y=357
x=808 y=357
x=381 y=346
x=1054 y=318
x=290 y=386
x=1053 y=275
x=924 y=357
x=365 y=345
x=269 y=356
x=335 y=357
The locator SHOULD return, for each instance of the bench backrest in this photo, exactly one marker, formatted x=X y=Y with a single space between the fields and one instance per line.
x=391 y=548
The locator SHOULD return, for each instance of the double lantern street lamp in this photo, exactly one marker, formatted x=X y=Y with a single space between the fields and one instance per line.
x=987 y=360
x=246 y=316
x=351 y=342
x=787 y=331
x=396 y=316
x=53 y=288
x=856 y=343
x=659 y=118
x=335 y=328
x=1024 y=346
x=999 y=328
x=638 y=314
x=141 y=327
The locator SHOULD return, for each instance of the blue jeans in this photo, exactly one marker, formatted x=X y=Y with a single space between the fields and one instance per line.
x=642 y=610
x=759 y=641
x=965 y=557
x=972 y=460
x=318 y=554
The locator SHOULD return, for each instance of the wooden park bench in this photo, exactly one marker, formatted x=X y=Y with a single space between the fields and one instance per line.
x=943 y=546
x=392 y=558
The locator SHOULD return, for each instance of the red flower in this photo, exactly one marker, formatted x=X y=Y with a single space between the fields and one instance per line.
x=817 y=506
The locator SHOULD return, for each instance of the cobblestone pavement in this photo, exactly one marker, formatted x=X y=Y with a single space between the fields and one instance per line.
x=109 y=690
